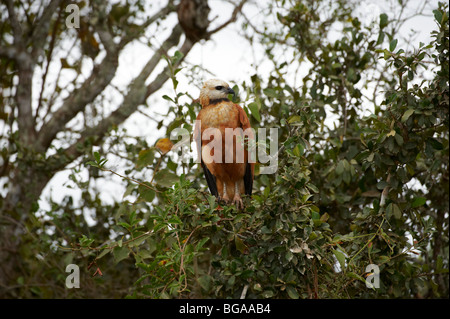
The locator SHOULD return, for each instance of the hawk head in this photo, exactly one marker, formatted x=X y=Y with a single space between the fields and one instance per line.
x=213 y=91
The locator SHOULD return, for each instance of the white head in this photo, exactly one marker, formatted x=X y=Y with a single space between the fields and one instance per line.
x=214 y=89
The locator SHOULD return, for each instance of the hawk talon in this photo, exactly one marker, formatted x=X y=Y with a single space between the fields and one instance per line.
x=237 y=201
x=222 y=200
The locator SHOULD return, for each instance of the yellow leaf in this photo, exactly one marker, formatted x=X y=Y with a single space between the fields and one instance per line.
x=164 y=145
x=391 y=133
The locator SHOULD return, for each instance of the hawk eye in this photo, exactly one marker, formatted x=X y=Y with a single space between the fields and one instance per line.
x=219 y=87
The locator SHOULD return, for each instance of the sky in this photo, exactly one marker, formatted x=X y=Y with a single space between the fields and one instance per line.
x=227 y=56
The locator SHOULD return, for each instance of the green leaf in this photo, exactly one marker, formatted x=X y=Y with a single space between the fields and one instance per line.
x=298 y=150
x=418 y=201
x=380 y=37
x=383 y=20
x=92 y=164
x=315 y=215
x=205 y=282
x=340 y=168
x=130 y=188
x=201 y=243
x=381 y=185
x=397 y=212
x=271 y=93
x=85 y=241
x=336 y=65
x=438 y=16
x=145 y=158
x=240 y=245
x=393 y=210
x=254 y=109
x=406 y=115
x=393 y=45
x=166 y=178
x=356 y=276
x=340 y=257
x=177 y=57
x=312 y=187
x=294 y=119
x=324 y=217
x=435 y=144
x=146 y=193
x=138 y=241
x=231 y=281
x=120 y=253
x=399 y=139
x=292 y=292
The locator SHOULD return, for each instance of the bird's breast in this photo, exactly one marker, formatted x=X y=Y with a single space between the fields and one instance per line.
x=218 y=116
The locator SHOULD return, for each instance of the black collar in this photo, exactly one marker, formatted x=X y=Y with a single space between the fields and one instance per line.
x=215 y=101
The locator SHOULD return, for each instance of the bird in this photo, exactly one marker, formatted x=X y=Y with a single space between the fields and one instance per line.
x=228 y=170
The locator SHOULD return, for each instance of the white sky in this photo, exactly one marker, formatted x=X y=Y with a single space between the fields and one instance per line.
x=227 y=56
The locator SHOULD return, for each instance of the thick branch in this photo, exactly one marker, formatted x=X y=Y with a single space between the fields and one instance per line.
x=136 y=96
x=25 y=119
x=15 y=25
x=25 y=74
x=41 y=29
x=100 y=77
x=9 y=52
x=49 y=59
x=138 y=91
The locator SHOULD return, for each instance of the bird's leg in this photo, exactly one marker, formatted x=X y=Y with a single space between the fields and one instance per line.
x=237 y=200
x=225 y=194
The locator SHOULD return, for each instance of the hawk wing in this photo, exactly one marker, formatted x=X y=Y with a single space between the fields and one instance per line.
x=210 y=178
x=249 y=167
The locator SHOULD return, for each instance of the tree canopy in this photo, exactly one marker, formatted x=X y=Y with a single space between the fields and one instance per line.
x=369 y=189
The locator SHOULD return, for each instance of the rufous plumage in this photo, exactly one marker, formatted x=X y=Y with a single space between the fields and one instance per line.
x=230 y=175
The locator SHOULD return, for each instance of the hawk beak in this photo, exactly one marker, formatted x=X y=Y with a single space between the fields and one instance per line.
x=230 y=91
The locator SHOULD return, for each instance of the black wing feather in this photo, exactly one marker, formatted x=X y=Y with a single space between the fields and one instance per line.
x=248 y=180
x=210 y=180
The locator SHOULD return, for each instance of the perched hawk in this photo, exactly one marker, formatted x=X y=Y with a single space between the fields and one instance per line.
x=222 y=133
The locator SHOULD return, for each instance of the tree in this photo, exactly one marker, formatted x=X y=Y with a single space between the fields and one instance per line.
x=43 y=138
x=371 y=190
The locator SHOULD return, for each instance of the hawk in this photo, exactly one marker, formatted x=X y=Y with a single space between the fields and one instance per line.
x=220 y=133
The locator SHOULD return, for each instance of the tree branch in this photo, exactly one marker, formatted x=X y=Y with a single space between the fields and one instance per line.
x=233 y=18
x=138 y=91
x=15 y=25
x=25 y=118
x=49 y=58
x=100 y=77
x=40 y=30
x=133 y=34
x=9 y=52
x=137 y=94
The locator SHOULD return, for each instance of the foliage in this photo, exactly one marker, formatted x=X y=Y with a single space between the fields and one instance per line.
x=370 y=189
x=365 y=167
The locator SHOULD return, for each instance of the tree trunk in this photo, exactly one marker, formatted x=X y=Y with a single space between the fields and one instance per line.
x=15 y=211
